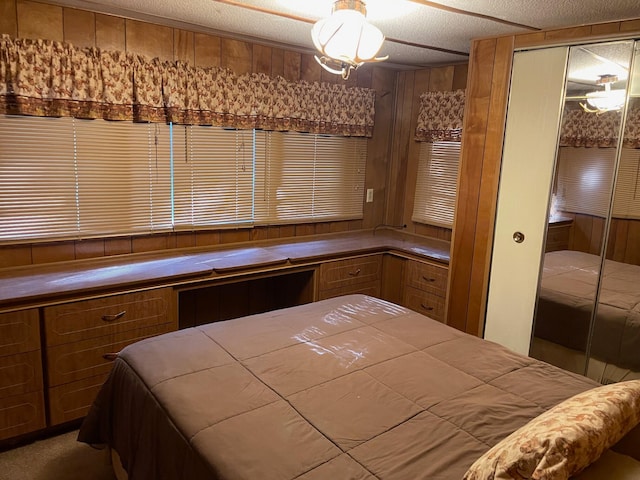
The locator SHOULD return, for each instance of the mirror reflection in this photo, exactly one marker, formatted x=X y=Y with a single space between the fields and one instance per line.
x=585 y=310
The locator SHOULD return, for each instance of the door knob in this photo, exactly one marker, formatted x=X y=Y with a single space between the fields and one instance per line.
x=518 y=237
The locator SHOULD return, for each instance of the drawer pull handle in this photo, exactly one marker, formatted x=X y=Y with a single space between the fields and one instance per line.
x=426 y=307
x=428 y=279
x=355 y=273
x=113 y=318
x=110 y=356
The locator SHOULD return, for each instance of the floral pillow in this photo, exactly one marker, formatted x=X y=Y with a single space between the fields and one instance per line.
x=564 y=440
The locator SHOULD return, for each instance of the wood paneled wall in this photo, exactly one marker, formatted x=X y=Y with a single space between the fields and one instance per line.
x=624 y=241
x=587 y=233
x=403 y=166
x=485 y=115
x=29 y=19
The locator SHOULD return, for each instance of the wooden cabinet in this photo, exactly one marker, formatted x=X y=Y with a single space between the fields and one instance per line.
x=55 y=358
x=426 y=288
x=21 y=387
x=558 y=235
x=350 y=275
x=83 y=337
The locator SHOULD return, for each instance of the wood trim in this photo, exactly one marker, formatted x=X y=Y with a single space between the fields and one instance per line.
x=400 y=148
x=379 y=146
x=311 y=21
x=489 y=185
x=468 y=13
x=470 y=178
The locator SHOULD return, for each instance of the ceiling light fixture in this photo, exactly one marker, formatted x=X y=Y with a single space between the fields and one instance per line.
x=345 y=39
x=604 y=100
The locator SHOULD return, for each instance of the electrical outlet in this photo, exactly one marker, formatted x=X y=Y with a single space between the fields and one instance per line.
x=369 y=195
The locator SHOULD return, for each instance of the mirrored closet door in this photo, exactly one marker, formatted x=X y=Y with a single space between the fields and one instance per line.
x=587 y=315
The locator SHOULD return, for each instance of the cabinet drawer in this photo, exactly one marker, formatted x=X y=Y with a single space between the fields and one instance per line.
x=425 y=303
x=102 y=316
x=73 y=400
x=74 y=361
x=558 y=238
x=370 y=288
x=20 y=373
x=21 y=414
x=352 y=271
x=427 y=277
x=19 y=332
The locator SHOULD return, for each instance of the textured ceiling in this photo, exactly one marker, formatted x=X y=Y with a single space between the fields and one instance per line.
x=419 y=32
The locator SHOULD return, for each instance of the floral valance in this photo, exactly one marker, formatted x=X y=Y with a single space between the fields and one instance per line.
x=587 y=129
x=440 y=116
x=47 y=78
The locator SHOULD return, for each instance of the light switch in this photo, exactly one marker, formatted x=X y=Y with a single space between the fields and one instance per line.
x=369 y=195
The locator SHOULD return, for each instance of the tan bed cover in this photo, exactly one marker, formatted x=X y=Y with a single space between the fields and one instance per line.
x=567 y=294
x=347 y=388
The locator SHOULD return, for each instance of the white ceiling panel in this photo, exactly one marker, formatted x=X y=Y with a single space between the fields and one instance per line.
x=418 y=33
x=545 y=14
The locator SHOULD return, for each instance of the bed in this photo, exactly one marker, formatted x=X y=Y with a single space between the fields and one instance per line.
x=350 y=388
x=565 y=304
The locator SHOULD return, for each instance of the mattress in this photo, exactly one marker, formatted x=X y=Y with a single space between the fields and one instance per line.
x=352 y=388
x=565 y=305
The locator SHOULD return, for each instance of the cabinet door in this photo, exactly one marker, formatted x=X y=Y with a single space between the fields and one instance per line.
x=19 y=332
x=21 y=414
x=20 y=373
x=528 y=159
x=21 y=386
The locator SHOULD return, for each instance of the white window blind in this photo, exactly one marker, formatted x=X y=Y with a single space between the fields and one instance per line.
x=38 y=194
x=626 y=203
x=63 y=178
x=584 y=180
x=213 y=177
x=123 y=177
x=307 y=177
x=69 y=178
x=437 y=183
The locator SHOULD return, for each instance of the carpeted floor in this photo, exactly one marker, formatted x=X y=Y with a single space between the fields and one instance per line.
x=56 y=458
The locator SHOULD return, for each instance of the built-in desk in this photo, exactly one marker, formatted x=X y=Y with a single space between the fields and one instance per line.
x=38 y=285
x=70 y=319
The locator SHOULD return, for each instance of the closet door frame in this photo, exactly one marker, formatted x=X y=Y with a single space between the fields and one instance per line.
x=534 y=111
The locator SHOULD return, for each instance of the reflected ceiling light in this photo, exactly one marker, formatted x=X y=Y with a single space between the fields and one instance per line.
x=604 y=100
x=345 y=39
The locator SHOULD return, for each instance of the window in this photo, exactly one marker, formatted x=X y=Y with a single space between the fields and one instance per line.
x=123 y=177
x=436 y=185
x=584 y=180
x=213 y=177
x=626 y=203
x=64 y=178
x=307 y=177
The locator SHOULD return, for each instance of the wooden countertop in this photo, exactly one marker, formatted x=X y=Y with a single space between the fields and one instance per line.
x=33 y=284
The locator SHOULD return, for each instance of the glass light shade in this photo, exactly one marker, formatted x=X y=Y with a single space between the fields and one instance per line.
x=347 y=36
x=606 y=100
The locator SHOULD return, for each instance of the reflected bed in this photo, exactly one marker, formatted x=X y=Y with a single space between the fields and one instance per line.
x=565 y=305
x=351 y=388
